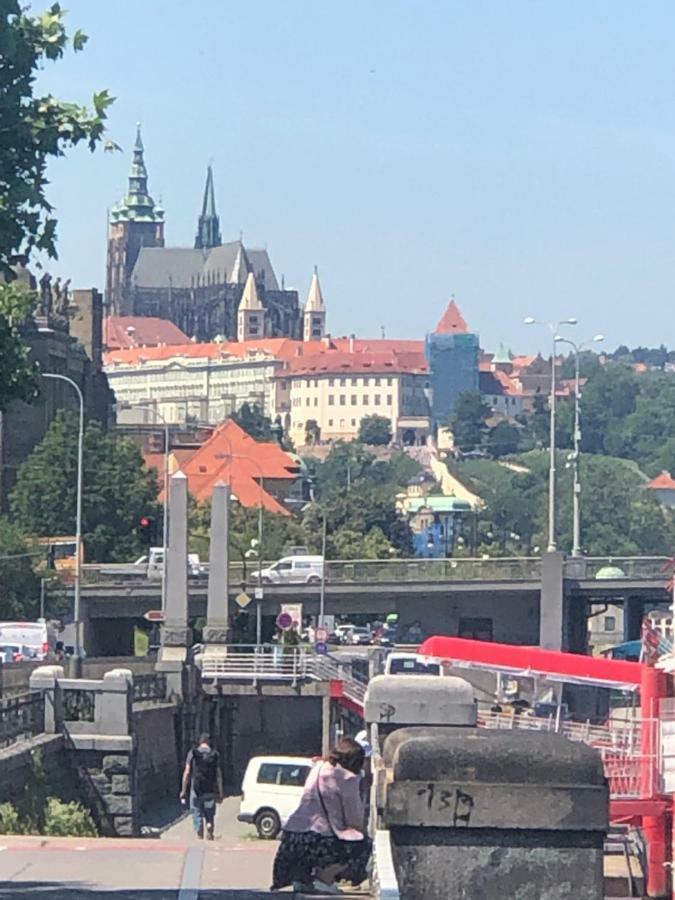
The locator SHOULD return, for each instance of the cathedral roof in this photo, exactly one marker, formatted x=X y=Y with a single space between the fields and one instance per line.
x=452 y=321
x=181 y=267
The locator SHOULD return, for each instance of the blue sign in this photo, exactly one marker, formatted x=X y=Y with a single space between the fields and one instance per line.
x=321 y=648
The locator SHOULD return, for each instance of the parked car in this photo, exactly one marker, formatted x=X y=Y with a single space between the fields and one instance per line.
x=342 y=632
x=411 y=664
x=11 y=653
x=292 y=570
x=271 y=791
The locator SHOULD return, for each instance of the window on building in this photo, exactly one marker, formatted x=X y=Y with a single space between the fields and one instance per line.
x=306 y=401
x=284 y=385
x=376 y=399
x=331 y=382
x=330 y=423
x=343 y=399
x=610 y=623
x=366 y=399
x=377 y=382
x=308 y=382
x=316 y=382
x=331 y=399
x=353 y=399
x=353 y=423
x=316 y=401
x=390 y=381
x=389 y=400
x=343 y=382
x=366 y=382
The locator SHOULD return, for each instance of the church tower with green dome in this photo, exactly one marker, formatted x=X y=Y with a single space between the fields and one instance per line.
x=135 y=222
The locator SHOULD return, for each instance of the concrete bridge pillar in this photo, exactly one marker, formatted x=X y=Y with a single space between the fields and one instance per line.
x=175 y=633
x=552 y=604
x=216 y=630
x=632 y=618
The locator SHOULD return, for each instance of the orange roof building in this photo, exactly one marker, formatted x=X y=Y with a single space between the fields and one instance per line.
x=126 y=332
x=259 y=473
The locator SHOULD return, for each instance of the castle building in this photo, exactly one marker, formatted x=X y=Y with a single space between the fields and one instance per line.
x=452 y=355
x=198 y=288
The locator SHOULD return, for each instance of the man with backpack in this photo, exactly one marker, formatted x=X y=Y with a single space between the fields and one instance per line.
x=203 y=778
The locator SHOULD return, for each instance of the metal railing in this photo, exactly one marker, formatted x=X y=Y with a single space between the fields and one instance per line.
x=149 y=688
x=266 y=662
x=21 y=717
x=633 y=567
x=630 y=772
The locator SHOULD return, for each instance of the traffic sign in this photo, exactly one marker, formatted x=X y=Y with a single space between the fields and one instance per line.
x=258 y=593
x=321 y=647
x=321 y=635
x=154 y=615
x=242 y=600
x=284 y=621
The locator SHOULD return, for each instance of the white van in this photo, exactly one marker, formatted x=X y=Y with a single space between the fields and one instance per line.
x=271 y=791
x=39 y=638
x=293 y=570
x=411 y=664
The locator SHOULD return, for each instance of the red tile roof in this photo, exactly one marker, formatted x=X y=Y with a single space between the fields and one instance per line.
x=336 y=362
x=231 y=455
x=452 y=321
x=279 y=348
x=123 y=332
x=663 y=482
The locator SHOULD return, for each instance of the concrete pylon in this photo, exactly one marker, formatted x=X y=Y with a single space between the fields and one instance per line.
x=216 y=630
x=176 y=632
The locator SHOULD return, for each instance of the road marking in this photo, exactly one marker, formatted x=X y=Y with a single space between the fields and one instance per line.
x=192 y=874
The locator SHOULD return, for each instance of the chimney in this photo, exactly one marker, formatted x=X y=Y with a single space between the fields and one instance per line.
x=352 y=338
x=326 y=341
x=298 y=350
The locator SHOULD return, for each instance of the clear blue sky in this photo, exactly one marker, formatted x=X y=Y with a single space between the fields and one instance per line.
x=518 y=154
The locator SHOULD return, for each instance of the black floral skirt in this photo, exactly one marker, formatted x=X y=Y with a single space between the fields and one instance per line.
x=301 y=854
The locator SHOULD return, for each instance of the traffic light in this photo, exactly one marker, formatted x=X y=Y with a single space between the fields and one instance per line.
x=146 y=529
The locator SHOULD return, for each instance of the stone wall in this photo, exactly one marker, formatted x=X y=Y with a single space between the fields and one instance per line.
x=107 y=787
x=157 y=762
x=16 y=769
x=259 y=725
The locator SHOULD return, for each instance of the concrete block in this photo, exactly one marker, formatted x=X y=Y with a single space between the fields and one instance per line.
x=116 y=765
x=45 y=677
x=123 y=826
x=120 y=784
x=420 y=700
x=119 y=805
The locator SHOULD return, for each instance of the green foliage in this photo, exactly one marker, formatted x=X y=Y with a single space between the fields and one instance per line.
x=503 y=439
x=312 y=432
x=67 y=819
x=468 y=422
x=10 y=821
x=375 y=430
x=349 y=463
x=619 y=517
x=35 y=129
x=18 y=377
x=19 y=586
x=255 y=423
x=117 y=490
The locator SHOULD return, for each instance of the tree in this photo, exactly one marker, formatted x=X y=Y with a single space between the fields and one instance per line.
x=503 y=439
x=18 y=377
x=20 y=594
x=375 y=430
x=312 y=432
x=118 y=490
x=468 y=422
x=252 y=419
x=35 y=129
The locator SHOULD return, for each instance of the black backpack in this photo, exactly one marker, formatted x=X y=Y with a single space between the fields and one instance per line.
x=204 y=771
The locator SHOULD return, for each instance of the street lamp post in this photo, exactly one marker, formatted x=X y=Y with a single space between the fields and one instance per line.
x=78 y=513
x=553 y=328
x=576 y=453
x=165 y=512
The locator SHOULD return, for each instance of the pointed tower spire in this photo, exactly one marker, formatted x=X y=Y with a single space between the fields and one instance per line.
x=452 y=321
x=208 y=226
x=138 y=205
x=314 y=317
x=251 y=314
x=241 y=267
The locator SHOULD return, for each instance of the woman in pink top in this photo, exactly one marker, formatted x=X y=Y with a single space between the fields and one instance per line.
x=324 y=840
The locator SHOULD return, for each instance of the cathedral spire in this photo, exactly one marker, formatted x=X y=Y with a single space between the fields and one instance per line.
x=208 y=227
x=138 y=205
x=314 y=316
